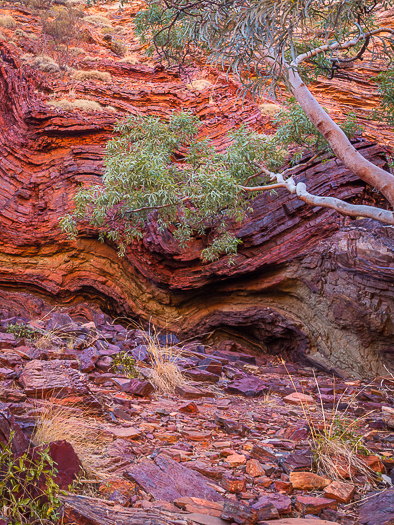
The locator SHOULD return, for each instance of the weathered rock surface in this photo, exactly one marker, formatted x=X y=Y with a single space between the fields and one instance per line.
x=166 y=480
x=51 y=378
x=378 y=510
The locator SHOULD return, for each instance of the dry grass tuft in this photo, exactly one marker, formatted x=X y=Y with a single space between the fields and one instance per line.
x=90 y=58
x=55 y=422
x=45 y=64
x=75 y=51
x=97 y=20
x=92 y=74
x=199 y=85
x=337 y=448
x=82 y=104
x=48 y=340
x=165 y=373
x=269 y=110
x=129 y=59
x=337 y=458
x=7 y=21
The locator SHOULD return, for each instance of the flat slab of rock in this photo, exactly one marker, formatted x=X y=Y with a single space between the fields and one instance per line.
x=342 y=492
x=81 y=509
x=248 y=387
x=197 y=374
x=298 y=398
x=378 y=510
x=312 y=505
x=125 y=432
x=51 y=378
x=167 y=480
x=190 y=392
x=205 y=519
x=298 y=521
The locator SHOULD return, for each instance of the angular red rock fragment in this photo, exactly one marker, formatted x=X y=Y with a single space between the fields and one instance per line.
x=281 y=502
x=341 y=492
x=312 y=505
x=308 y=481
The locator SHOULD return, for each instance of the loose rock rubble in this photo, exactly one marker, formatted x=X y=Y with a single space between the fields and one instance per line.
x=232 y=444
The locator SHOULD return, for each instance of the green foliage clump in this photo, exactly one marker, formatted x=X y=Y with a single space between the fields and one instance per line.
x=296 y=131
x=385 y=112
x=123 y=363
x=158 y=165
x=164 y=172
x=239 y=37
x=28 y=492
x=22 y=330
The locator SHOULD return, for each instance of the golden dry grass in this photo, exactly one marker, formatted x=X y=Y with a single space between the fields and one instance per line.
x=129 y=59
x=82 y=104
x=165 y=373
x=45 y=64
x=97 y=20
x=92 y=74
x=269 y=110
x=48 y=340
x=54 y=422
x=334 y=442
x=7 y=21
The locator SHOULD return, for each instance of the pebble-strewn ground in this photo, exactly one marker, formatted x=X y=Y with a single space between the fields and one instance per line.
x=232 y=444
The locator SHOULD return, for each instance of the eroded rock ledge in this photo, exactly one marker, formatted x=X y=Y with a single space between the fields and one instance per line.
x=306 y=283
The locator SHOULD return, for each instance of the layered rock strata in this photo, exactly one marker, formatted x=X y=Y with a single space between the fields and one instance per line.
x=306 y=282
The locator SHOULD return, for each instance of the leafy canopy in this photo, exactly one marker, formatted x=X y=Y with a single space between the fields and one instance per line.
x=163 y=169
x=239 y=35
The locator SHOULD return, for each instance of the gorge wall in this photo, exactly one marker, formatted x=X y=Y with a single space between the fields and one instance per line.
x=306 y=283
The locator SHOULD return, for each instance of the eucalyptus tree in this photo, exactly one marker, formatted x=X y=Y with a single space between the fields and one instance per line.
x=267 y=44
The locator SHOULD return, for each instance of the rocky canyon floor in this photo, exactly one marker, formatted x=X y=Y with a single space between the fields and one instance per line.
x=236 y=439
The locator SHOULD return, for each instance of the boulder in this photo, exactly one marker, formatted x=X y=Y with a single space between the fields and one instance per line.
x=298 y=398
x=388 y=416
x=239 y=513
x=312 y=505
x=88 y=359
x=7 y=340
x=65 y=460
x=190 y=392
x=8 y=425
x=60 y=320
x=233 y=484
x=138 y=388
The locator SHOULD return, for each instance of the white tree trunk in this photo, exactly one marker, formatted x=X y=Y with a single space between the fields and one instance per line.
x=340 y=144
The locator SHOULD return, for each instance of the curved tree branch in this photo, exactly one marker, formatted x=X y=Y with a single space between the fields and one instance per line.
x=337 y=46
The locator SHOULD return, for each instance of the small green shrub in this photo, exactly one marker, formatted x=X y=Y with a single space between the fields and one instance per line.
x=28 y=492
x=123 y=363
x=22 y=330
